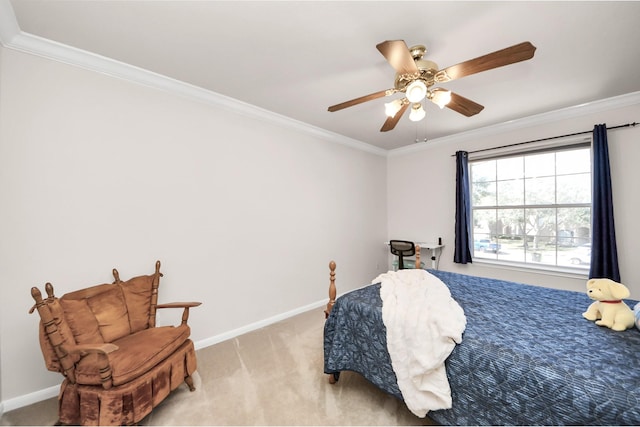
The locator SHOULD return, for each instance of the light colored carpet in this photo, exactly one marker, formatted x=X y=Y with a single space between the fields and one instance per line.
x=272 y=376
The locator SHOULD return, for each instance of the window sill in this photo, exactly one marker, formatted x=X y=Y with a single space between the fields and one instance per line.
x=549 y=270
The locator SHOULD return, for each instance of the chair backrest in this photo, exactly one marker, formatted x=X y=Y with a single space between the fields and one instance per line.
x=402 y=248
x=97 y=314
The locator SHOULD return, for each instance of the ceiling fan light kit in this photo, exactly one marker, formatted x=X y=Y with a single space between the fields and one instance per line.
x=415 y=77
x=392 y=108
x=440 y=97
x=416 y=91
x=417 y=112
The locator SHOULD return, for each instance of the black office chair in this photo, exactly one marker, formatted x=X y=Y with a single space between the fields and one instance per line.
x=402 y=248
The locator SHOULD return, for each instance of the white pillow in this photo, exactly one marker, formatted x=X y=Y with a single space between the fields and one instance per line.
x=636 y=311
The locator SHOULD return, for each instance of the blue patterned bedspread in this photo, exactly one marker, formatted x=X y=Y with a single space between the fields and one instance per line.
x=527 y=356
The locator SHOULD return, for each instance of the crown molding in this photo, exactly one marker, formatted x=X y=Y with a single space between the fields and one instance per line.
x=13 y=38
x=607 y=104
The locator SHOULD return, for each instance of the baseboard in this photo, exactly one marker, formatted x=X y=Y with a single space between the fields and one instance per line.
x=256 y=325
x=29 y=399
x=47 y=393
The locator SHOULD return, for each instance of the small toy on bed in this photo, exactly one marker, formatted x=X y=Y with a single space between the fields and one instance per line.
x=608 y=309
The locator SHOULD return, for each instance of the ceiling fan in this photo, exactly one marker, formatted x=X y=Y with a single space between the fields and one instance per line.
x=416 y=76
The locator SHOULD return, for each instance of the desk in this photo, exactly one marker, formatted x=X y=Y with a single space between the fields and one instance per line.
x=432 y=246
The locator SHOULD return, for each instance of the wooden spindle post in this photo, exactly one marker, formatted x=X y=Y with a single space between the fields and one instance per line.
x=154 y=296
x=417 y=256
x=51 y=329
x=332 y=289
x=116 y=276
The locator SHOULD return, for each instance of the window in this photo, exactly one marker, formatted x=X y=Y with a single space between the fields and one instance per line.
x=533 y=208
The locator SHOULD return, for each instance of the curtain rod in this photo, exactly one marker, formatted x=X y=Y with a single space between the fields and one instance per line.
x=551 y=137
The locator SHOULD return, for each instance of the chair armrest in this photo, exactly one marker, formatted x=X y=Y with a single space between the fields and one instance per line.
x=102 y=350
x=185 y=305
x=178 y=305
x=84 y=349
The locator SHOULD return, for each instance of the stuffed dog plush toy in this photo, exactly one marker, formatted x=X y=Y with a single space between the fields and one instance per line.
x=608 y=309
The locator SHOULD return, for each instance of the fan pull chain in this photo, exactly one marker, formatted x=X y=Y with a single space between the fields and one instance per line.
x=424 y=121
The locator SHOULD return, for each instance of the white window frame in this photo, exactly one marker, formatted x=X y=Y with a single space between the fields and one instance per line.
x=517 y=151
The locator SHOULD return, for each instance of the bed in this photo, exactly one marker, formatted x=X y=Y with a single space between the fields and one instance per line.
x=527 y=356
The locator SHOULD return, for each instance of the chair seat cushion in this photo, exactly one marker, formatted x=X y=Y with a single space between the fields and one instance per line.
x=137 y=353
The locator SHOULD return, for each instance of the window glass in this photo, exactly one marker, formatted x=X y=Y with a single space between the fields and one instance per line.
x=574 y=188
x=510 y=192
x=539 y=165
x=509 y=168
x=484 y=171
x=540 y=191
x=533 y=208
x=573 y=161
x=483 y=178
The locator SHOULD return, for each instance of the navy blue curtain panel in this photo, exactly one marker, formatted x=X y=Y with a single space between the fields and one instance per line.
x=462 y=252
x=604 y=252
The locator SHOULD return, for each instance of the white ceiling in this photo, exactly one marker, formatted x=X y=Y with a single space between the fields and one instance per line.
x=298 y=58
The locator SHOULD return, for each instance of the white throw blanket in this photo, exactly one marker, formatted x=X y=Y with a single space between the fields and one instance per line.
x=423 y=325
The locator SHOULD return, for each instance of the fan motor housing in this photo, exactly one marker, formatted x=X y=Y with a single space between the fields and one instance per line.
x=428 y=70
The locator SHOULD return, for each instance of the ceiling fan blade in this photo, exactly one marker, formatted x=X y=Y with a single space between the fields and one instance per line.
x=391 y=122
x=463 y=105
x=362 y=99
x=397 y=54
x=509 y=55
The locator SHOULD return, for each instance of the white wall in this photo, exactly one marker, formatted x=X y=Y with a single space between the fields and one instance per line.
x=97 y=173
x=421 y=189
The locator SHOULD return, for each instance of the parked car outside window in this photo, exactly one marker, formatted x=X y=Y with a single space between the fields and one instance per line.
x=486 y=245
x=580 y=255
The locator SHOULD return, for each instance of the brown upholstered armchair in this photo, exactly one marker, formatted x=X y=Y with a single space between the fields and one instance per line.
x=103 y=339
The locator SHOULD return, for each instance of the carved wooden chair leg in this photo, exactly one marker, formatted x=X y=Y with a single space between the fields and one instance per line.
x=189 y=382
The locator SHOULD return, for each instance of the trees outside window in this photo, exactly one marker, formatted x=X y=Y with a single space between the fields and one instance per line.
x=533 y=207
